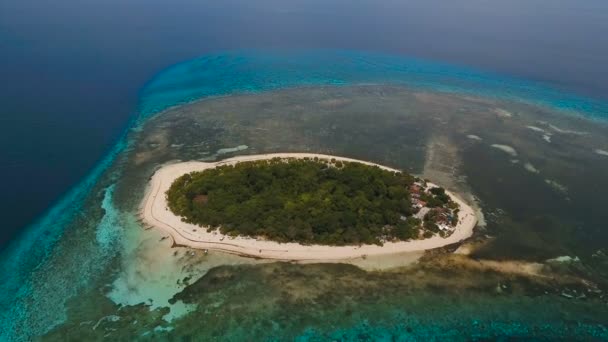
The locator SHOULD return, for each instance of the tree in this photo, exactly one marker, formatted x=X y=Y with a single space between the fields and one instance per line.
x=311 y=200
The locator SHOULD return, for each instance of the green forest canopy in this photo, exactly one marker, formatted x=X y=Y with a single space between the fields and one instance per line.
x=299 y=200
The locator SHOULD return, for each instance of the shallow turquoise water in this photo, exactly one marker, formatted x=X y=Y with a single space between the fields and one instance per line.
x=247 y=72
x=255 y=71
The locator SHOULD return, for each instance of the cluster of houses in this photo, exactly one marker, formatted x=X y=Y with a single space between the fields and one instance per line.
x=443 y=217
x=416 y=189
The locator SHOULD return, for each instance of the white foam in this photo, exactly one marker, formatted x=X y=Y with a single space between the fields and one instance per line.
x=601 y=152
x=109 y=228
x=503 y=113
x=556 y=186
x=566 y=131
x=564 y=259
x=536 y=129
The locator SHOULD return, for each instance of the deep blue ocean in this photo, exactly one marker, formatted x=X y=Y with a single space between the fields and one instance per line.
x=76 y=75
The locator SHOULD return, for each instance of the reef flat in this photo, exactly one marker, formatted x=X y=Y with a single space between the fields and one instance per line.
x=106 y=270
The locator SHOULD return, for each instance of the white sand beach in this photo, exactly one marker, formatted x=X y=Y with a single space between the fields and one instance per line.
x=155 y=213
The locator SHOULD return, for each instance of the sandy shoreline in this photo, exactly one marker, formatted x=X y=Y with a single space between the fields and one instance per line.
x=154 y=212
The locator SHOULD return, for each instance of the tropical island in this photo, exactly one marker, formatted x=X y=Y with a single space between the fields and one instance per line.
x=303 y=207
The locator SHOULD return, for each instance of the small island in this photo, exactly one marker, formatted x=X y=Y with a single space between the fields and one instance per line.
x=303 y=207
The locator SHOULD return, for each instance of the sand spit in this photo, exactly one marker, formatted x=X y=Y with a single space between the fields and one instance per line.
x=506 y=148
x=155 y=213
x=231 y=149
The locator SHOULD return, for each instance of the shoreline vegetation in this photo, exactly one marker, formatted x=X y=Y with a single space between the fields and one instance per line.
x=311 y=201
x=397 y=212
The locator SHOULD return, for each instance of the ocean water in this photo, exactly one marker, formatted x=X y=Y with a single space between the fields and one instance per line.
x=72 y=70
x=86 y=219
x=255 y=71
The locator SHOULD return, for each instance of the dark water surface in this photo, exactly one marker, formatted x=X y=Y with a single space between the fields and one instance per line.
x=71 y=70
